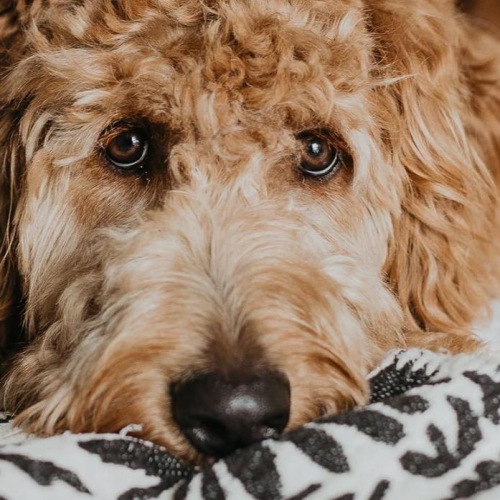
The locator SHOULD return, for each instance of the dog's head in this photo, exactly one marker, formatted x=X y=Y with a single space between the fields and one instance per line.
x=218 y=215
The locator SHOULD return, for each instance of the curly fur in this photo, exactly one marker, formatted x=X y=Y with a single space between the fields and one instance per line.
x=222 y=253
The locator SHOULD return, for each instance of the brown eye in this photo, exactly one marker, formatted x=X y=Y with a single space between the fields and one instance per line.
x=128 y=149
x=318 y=157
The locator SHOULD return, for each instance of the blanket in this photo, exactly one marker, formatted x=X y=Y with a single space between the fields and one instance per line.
x=431 y=431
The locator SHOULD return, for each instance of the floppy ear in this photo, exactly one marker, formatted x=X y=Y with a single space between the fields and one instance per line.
x=8 y=276
x=10 y=164
x=444 y=138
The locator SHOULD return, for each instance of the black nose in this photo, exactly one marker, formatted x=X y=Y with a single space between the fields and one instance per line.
x=218 y=415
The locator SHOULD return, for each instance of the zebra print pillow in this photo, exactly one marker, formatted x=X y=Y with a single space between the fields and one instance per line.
x=432 y=431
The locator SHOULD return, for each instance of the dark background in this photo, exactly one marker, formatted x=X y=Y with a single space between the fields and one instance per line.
x=487 y=11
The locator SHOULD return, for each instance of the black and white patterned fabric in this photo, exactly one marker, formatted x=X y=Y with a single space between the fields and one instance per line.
x=432 y=431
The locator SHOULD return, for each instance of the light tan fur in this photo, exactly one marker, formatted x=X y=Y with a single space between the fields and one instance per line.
x=222 y=253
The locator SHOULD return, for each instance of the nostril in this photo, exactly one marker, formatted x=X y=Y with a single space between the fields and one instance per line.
x=218 y=415
x=207 y=436
x=277 y=423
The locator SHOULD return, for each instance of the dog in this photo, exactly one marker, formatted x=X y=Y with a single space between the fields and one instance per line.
x=219 y=215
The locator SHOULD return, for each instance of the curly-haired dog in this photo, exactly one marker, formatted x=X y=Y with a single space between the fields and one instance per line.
x=219 y=214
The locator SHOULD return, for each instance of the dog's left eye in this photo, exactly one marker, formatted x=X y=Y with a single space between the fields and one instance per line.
x=318 y=157
x=128 y=149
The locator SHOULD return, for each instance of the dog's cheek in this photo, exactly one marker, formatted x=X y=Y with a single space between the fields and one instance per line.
x=61 y=208
x=313 y=336
x=120 y=381
x=102 y=196
x=327 y=376
x=49 y=235
x=350 y=240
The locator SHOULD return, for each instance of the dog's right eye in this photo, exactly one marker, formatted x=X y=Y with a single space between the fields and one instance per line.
x=318 y=156
x=127 y=149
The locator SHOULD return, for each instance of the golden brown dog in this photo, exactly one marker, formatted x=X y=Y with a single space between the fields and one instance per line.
x=218 y=215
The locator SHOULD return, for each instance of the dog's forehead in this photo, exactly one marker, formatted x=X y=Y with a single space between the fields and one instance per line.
x=167 y=54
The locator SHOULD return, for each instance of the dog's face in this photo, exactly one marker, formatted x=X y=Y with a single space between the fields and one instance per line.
x=206 y=222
